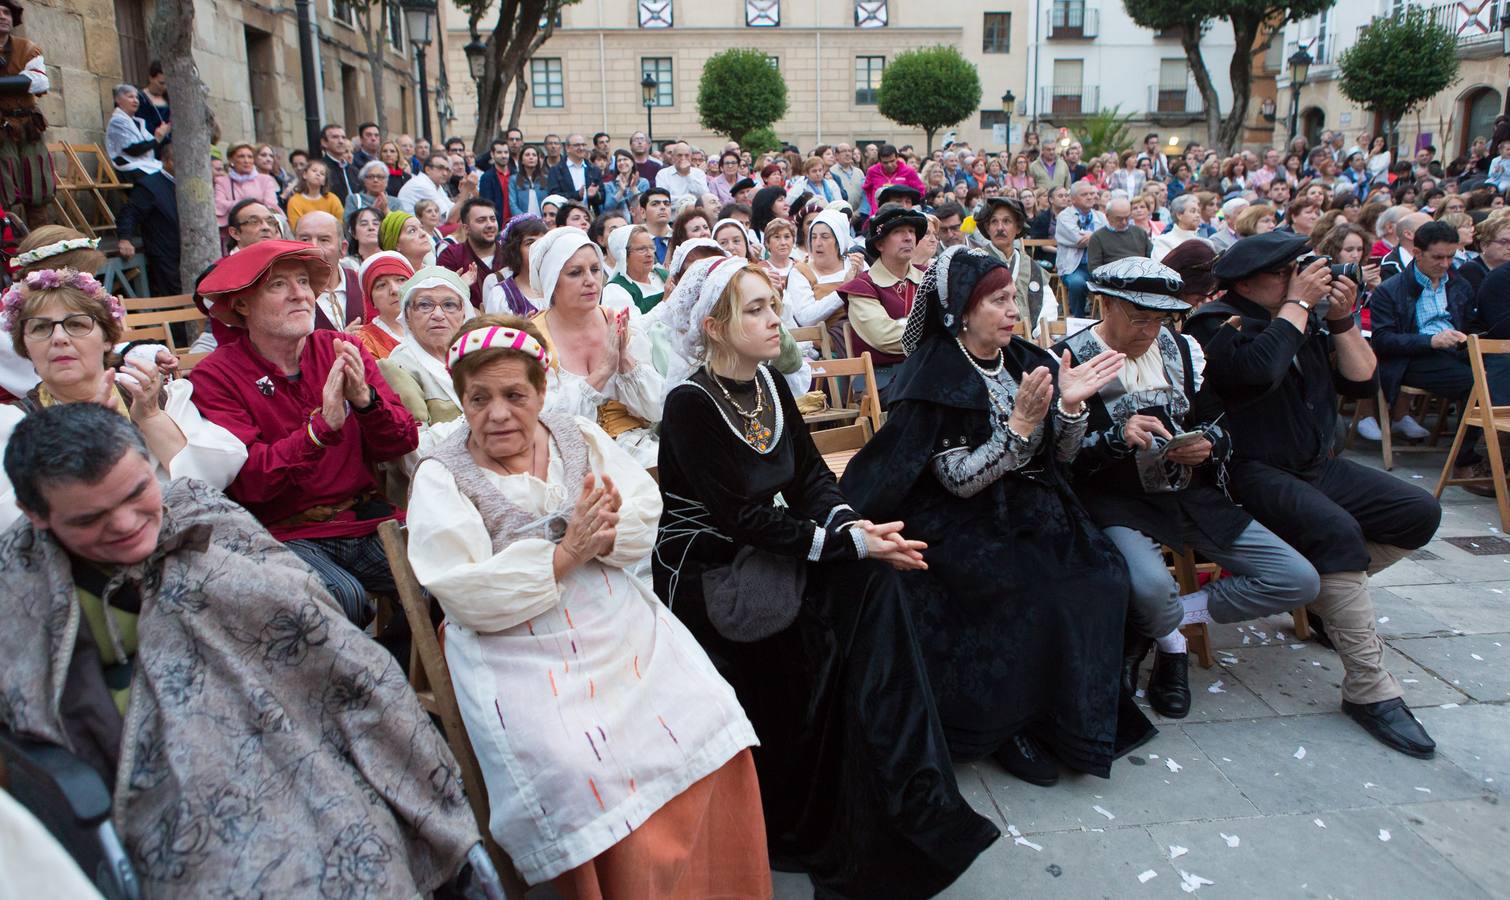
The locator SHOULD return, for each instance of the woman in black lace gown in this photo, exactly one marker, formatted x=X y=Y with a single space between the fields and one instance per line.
x=790 y=593
x=1021 y=610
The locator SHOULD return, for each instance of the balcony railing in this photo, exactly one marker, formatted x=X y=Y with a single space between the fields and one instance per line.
x=1175 y=100
x=1069 y=100
x=1072 y=21
x=1470 y=26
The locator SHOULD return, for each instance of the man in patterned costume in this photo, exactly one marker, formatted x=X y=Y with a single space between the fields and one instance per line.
x=26 y=177
x=1151 y=471
x=255 y=742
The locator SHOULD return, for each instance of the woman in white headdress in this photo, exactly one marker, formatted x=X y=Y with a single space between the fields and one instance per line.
x=635 y=282
x=600 y=361
x=432 y=305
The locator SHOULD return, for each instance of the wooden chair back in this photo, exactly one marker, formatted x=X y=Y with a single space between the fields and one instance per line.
x=1052 y=331
x=834 y=369
x=817 y=334
x=845 y=437
x=151 y=304
x=1031 y=244
x=440 y=698
x=85 y=179
x=1482 y=413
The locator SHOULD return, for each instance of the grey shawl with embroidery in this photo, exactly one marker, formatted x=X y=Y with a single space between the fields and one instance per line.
x=270 y=748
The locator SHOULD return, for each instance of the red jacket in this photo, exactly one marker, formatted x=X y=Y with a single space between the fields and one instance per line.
x=286 y=473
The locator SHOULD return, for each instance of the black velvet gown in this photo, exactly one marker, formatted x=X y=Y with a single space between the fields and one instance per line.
x=1021 y=610
x=855 y=775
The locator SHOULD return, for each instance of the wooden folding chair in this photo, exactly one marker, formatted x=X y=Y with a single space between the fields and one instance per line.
x=1052 y=331
x=439 y=698
x=870 y=399
x=1482 y=413
x=1187 y=574
x=154 y=304
x=817 y=334
x=191 y=318
x=1420 y=401
x=85 y=174
x=839 y=445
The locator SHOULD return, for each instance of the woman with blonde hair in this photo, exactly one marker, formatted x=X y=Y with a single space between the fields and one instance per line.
x=1018 y=178
x=1255 y=219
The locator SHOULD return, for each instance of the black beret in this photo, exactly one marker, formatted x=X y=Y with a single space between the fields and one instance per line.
x=897 y=191
x=1260 y=253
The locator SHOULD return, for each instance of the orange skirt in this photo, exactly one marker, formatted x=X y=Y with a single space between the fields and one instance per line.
x=707 y=842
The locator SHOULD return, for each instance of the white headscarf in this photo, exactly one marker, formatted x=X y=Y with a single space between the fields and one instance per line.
x=749 y=239
x=838 y=223
x=549 y=255
x=429 y=277
x=433 y=378
x=679 y=258
x=618 y=248
x=691 y=302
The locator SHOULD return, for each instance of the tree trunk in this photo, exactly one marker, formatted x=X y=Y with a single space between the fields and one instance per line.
x=172 y=42
x=1239 y=75
x=1190 y=41
x=928 y=135
x=374 y=46
x=516 y=36
x=521 y=88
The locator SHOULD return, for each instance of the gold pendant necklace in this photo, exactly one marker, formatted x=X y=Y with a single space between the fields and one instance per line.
x=756 y=433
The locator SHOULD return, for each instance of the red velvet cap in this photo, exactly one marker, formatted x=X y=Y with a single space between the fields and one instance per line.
x=244 y=269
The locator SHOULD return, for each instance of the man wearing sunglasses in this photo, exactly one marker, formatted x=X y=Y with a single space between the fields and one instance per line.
x=1280 y=346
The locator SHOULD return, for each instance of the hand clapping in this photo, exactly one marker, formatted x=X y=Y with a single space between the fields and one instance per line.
x=1079 y=383
x=1032 y=403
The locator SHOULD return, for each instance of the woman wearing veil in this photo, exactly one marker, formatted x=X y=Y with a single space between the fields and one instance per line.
x=1020 y=612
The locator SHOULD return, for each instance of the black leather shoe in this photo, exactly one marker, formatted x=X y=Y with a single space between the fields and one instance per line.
x=1169 y=685
x=1392 y=724
x=1318 y=630
x=1134 y=650
x=1024 y=758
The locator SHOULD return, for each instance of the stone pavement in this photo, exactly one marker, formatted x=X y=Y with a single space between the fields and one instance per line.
x=1266 y=789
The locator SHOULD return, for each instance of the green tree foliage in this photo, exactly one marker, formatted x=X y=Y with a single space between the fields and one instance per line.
x=1399 y=62
x=929 y=88
x=1108 y=131
x=760 y=140
x=1251 y=20
x=739 y=92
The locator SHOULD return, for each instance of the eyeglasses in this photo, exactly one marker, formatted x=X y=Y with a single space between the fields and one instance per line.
x=269 y=221
x=1143 y=324
x=38 y=328
x=426 y=307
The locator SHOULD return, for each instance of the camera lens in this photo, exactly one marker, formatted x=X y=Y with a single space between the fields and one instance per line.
x=1351 y=271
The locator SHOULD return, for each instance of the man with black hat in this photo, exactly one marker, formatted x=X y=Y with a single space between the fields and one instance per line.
x=314 y=411
x=1149 y=472
x=1269 y=345
x=1002 y=222
x=26 y=179
x=880 y=298
x=903 y=195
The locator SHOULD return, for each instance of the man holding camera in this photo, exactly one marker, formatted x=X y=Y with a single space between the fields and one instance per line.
x=1149 y=472
x=1420 y=320
x=1269 y=346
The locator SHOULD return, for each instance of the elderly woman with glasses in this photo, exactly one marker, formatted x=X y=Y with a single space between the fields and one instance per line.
x=375 y=190
x=433 y=304
x=65 y=323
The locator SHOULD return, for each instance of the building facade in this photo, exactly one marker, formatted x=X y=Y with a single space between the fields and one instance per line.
x=1449 y=121
x=1062 y=60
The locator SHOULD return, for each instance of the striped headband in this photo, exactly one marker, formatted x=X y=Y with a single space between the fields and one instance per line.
x=498 y=338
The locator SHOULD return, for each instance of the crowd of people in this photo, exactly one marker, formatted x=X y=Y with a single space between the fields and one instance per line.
x=684 y=651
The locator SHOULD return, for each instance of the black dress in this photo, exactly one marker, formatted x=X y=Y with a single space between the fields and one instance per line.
x=855 y=776
x=1021 y=610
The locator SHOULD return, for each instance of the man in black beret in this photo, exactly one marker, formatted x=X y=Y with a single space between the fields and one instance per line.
x=1269 y=344
x=880 y=298
x=903 y=195
x=1149 y=472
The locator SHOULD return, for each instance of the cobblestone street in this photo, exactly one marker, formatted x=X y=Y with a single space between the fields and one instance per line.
x=1267 y=789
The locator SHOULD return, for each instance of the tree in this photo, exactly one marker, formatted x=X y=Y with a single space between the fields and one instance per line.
x=1397 y=63
x=372 y=47
x=760 y=140
x=1249 y=18
x=739 y=92
x=929 y=88
x=172 y=41
x=521 y=28
x=1108 y=131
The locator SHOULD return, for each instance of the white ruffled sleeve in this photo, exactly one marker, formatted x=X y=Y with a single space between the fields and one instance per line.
x=796 y=299
x=452 y=555
x=211 y=454
x=640 y=511
x=642 y=389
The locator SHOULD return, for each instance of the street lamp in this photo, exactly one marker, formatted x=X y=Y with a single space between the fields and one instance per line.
x=648 y=85
x=1300 y=67
x=477 y=59
x=419 y=15
x=1008 y=106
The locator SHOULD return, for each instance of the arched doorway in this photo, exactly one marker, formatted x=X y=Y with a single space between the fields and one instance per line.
x=1312 y=124
x=1480 y=106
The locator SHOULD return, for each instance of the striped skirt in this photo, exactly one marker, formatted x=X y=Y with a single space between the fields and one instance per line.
x=26 y=175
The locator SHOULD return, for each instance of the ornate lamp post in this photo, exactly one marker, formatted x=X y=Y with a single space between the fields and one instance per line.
x=419 y=15
x=648 y=84
x=1300 y=70
x=1008 y=106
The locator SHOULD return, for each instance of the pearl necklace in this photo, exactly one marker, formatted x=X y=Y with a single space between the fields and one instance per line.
x=1001 y=360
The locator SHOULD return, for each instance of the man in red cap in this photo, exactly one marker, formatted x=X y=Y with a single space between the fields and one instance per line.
x=314 y=412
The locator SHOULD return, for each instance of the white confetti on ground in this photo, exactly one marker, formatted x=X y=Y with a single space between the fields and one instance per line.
x=1012 y=830
x=1297 y=646
x=1190 y=882
x=1300 y=753
x=1424 y=790
x=1024 y=842
x=1176 y=851
x=1172 y=765
x=1319 y=823
x=1477 y=657
x=1384 y=834
x=1231 y=839
x=1102 y=811
x=1410 y=681
x=1146 y=876
x=1369 y=784
x=1384 y=620
x=1448 y=706
x=1216 y=687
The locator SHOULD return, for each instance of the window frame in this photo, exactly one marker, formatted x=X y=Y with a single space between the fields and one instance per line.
x=536 y=94
x=1005 y=46
x=664 y=87
x=872 y=81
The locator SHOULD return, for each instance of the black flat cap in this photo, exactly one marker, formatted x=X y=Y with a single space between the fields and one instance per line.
x=889 y=219
x=742 y=184
x=1260 y=253
x=1141 y=282
x=894 y=192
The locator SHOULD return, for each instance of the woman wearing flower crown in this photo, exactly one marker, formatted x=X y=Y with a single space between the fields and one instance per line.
x=65 y=323
x=1021 y=611
x=616 y=758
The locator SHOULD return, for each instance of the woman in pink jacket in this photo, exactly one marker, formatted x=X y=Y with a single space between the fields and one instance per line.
x=242 y=181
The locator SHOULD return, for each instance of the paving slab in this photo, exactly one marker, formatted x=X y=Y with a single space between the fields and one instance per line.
x=1476 y=738
x=1291 y=856
x=1470 y=834
x=1476 y=664
x=1410 y=571
x=1398 y=617
x=1461 y=567
x=1142 y=788
x=1309 y=679
x=1072 y=865
x=1481 y=607
x=1229 y=700
x=1339 y=766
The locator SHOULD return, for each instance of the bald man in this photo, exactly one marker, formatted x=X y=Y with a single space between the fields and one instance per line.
x=338 y=307
x=1118 y=239
x=1401 y=256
